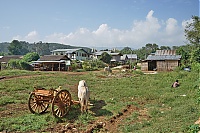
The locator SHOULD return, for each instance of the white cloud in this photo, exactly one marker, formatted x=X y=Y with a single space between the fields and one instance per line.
x=150 y=30
x=171 y=26
x=30 y=37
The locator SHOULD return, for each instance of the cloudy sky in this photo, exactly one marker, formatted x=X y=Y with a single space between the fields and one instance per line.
x=97 y=23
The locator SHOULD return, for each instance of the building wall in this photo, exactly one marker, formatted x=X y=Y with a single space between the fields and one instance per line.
x=166 y=65
x=144 y=66
x=80 y=55
x=116 y=57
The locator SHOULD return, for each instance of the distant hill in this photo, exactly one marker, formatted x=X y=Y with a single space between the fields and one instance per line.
x=40 y=47
x=3 y=47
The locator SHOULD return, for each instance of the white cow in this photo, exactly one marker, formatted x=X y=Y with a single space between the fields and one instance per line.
x=107 y=69
x=83 y=95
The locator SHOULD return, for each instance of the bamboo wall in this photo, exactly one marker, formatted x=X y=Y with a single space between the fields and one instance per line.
x=166 y=65
x=144 y=66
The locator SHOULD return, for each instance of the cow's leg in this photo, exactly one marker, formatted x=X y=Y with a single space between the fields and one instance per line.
x=82 y=108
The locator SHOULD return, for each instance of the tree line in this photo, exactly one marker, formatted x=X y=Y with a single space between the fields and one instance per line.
x=22 y=47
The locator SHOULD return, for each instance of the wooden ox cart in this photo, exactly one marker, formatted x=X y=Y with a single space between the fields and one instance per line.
x=41 y=98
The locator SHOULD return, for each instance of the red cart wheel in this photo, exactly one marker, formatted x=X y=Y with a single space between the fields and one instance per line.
x=61 y=103
x=36 y=105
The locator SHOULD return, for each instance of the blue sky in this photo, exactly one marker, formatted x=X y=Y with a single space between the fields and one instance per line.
x=97 y=23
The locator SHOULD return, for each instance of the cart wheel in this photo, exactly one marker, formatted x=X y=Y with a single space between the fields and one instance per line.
x=36 y=105
x=61 y=103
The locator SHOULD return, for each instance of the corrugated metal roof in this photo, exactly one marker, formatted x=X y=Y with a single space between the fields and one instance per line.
x=68 y=50
x=53 y=58
x=132 y=56
x=165 y=52
x=164 y=57
x=100 y=52
x=8 y=57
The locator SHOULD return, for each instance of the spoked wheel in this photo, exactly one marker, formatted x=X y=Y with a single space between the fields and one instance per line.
x=36 y=105
x=61 y=103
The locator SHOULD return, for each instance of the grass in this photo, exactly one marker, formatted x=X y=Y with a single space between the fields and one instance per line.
x=168 y=109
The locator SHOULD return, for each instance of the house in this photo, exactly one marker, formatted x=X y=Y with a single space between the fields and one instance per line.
x=52 y=63
x=73 y=54
x=116 y=57
x=96 y=55
x=123 y=59
x=132 y=57
x=162 y=60
x=5 y=59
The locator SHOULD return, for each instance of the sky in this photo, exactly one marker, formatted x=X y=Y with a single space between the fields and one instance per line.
x=97 y=23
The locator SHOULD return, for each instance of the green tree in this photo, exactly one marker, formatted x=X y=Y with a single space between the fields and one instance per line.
x=16 y=48
x=184 y=55
x=141 y=53
x=31 y=57
x=41 y=48
x=2 y=54
x=165 y=48
x=154 y=47
x=195 y=56
x=126 y=50
x=192 y=31
x=105 y=57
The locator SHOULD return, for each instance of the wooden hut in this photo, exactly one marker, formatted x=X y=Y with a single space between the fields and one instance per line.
x=51 y=63
x=162 y=60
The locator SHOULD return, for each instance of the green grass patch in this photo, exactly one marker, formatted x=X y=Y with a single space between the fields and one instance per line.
x=169 y=109
x=25 y=123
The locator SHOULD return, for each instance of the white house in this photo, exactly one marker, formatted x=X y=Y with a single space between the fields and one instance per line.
x=73 y=54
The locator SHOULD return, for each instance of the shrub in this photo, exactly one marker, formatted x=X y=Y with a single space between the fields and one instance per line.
x=195 y=67
x=19 y=64
x=31 y=57
x=14 y=64
x=92 y=65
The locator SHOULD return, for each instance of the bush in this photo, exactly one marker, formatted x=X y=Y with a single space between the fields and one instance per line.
x=19 y=64
x=14 y=64
x=31 y=57
x=92 y=65
x=195 y=67
x=24 y=65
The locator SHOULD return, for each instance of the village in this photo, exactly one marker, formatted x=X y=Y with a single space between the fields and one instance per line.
x=61 y=59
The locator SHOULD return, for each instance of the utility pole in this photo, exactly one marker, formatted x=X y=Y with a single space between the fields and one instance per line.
x=131 y=60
